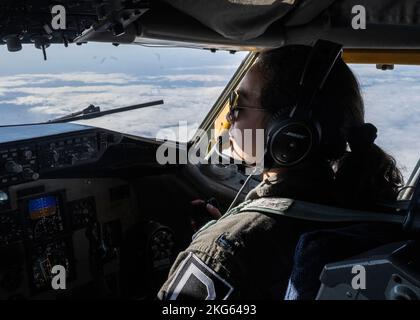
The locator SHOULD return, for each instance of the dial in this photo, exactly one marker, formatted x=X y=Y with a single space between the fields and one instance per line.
x=13 y=167
x=45 y=217
x=47 y=226
x=45 y=257
x=162 y=247
x=10 y=229
x=82 y=212
x=27 y=154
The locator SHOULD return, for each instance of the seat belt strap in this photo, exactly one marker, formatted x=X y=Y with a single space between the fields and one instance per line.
x=317 y=212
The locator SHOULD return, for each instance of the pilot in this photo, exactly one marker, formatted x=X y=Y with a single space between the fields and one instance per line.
x=252 y=255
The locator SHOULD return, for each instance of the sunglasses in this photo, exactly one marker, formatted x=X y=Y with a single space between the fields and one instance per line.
x=234 y=108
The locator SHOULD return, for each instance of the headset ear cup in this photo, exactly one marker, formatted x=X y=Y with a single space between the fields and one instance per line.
x=290 y=142
x=276 y=119
x=272 y=126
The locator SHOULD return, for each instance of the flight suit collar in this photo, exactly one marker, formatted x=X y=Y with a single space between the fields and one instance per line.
x=267 y=188
x=312 y=183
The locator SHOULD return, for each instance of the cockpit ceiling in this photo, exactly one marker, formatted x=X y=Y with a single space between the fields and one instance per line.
x=250 y=19
x=217 y=24
x=248 y=24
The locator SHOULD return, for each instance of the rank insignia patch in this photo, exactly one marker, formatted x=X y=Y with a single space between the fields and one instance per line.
x=194 y=280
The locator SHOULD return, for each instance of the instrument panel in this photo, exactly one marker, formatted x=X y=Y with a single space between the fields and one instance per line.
x=34 y=154
x=44 y=257
x=11 y=230
x=44 y=223
x=89 y=227
x=44 y=217
x=60 y=222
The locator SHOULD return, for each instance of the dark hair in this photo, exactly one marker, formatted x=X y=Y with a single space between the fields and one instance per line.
x=364 y=176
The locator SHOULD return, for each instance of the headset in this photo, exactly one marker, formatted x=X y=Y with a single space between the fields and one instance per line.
x=292 y=140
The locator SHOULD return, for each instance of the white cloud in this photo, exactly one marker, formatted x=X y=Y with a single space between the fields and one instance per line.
x=41 y=95
x=83 y=77
x=209 y=67
x=189 y=77
x=90 y=78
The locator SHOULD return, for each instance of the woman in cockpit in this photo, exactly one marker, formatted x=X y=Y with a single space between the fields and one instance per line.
x=256 y=255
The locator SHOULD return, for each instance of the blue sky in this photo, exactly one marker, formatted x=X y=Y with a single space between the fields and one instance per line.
x=189 y=81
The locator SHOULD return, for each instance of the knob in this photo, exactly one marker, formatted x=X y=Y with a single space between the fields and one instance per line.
x=55 y=155
x=402 y=292
x=13 y=167
x=4 y=197
x=29 y=174
x=87 y=148
x=13 y=42
x=74 y=158
x=27 y=154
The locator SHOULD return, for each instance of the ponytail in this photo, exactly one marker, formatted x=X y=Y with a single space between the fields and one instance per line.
x=367 y=175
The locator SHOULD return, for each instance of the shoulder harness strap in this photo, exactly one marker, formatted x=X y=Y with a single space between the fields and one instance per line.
x=232 y=211
x=308 y=211
x=317 y=212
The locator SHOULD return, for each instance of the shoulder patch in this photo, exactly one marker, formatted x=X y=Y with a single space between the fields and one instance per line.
x=194 y=280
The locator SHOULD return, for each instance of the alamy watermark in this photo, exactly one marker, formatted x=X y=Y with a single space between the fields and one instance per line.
x=358 y=21
x=59 y=276
x=59 y=17
x=249 y=142
x=359 y=280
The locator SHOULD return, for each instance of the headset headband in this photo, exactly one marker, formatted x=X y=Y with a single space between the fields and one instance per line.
x=318 y=66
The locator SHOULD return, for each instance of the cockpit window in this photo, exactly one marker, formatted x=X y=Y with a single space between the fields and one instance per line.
x=392 y=103
x=188 y=80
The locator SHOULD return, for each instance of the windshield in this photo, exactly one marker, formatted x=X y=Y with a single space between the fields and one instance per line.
x=188 y=80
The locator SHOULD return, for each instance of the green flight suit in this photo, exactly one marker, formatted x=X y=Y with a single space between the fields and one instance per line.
x=244 y=254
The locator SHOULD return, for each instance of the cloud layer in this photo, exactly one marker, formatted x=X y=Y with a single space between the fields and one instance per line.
x=187 y=97
x=392 y=100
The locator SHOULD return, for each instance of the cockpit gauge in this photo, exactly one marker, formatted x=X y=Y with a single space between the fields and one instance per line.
x=10 y=228
x=44 y=216
x=45 y=257
x=82 y=212
x=161 y=247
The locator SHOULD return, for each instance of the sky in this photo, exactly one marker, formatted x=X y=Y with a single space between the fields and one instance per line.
x=188 y=80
